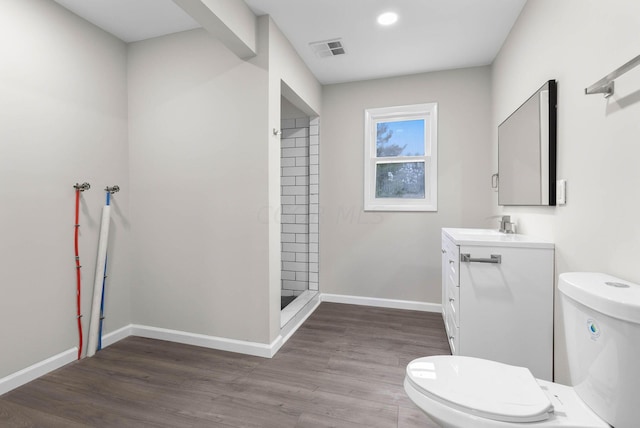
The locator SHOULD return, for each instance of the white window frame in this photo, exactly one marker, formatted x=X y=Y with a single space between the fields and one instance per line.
x=427 y=112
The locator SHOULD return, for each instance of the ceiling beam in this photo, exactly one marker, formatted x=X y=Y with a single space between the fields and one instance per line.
x=231 y=21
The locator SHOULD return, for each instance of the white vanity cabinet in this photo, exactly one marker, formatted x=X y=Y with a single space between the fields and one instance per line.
x=497 y=297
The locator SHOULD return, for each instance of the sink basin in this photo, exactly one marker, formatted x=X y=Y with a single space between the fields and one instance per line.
x=484 y=232
x=485 y=237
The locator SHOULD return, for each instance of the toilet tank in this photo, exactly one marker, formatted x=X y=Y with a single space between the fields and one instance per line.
x=601 y=316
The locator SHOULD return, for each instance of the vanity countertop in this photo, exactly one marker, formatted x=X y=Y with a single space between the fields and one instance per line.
x=492 y=237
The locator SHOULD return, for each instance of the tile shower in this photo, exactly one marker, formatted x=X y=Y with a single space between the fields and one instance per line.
x=299 y=205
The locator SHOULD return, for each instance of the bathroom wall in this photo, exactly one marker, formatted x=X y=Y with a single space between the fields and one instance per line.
x=578 y=42
x=314 y=204
x=289 y=77
x=295 y=205
x=299 y=217
x=63 y=116
x=396 y=255
x=207 y=197
x=198 y=143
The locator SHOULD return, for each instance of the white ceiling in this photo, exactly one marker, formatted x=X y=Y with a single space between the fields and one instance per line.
x=133 y=20
x=430 y=35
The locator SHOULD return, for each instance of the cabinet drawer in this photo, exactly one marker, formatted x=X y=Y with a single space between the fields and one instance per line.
x=453 y=264
x=453 y=304
x=452 y=334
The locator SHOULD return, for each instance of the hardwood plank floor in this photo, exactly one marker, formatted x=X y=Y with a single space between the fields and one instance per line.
x=343 y=368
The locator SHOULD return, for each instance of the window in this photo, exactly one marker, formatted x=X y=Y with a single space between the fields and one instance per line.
x=401 y=163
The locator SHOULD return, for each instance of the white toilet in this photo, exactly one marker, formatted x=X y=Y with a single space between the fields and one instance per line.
x=602 y=328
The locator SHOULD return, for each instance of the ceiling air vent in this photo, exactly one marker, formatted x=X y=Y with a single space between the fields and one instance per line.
x=327 y=48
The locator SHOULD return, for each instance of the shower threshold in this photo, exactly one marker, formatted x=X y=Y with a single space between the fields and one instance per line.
x=285 y=300
x=290 y=311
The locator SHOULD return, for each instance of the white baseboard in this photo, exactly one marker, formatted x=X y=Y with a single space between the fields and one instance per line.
x=213 y=342
x=382 y=303
x=231 y=345
x=297 y=320
x=36 y=370
x=292 y=310
x=116 y=336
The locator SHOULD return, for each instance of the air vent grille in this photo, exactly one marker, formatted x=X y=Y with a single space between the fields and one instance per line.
x=328 y=48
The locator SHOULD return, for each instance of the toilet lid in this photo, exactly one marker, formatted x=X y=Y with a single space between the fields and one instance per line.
x=483 y=388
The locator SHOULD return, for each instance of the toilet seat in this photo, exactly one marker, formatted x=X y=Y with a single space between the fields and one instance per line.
x=482 y=388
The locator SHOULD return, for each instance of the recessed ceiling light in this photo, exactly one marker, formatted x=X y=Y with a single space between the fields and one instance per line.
x=387 y=18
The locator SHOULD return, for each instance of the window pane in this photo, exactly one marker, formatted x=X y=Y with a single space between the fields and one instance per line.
x=400 y=138
x=400 y=180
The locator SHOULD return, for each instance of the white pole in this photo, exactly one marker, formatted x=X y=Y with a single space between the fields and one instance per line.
x=99 y=280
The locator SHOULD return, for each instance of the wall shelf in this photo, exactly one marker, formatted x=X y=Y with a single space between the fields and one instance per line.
x=606 y=84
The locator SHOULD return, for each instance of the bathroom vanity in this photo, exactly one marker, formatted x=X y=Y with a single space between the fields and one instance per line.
x=497 y=297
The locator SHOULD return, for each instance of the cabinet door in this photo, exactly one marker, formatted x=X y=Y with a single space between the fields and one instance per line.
x=506 y=308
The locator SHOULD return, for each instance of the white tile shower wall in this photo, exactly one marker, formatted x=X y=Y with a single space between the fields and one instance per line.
x=314 y=206
x=295 y=205
x=300 y=205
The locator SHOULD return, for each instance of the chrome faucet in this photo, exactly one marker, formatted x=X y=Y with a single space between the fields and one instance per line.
x=506 y=226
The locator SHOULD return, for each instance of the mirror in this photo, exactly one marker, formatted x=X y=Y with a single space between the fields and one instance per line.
x=527 y=151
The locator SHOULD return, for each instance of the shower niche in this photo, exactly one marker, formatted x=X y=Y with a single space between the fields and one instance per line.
x=299 y=163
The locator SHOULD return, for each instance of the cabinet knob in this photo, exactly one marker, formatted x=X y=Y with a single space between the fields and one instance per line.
x=451 y=337
x=443 y=251
x=451 y=299
x=452 y=262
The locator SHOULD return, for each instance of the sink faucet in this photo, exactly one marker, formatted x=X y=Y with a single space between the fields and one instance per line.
x=506 y=226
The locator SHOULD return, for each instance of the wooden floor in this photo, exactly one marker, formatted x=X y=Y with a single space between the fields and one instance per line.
x=343 y=368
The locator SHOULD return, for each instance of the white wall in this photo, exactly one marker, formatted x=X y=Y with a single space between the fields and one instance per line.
x=577 y=42
x=206 y=181
x=198 y=144
x=289 y=111
x=63 y=119
x=286 y=71
x=396 y=255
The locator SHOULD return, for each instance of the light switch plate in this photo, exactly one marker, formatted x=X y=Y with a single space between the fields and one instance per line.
x=561 y=192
